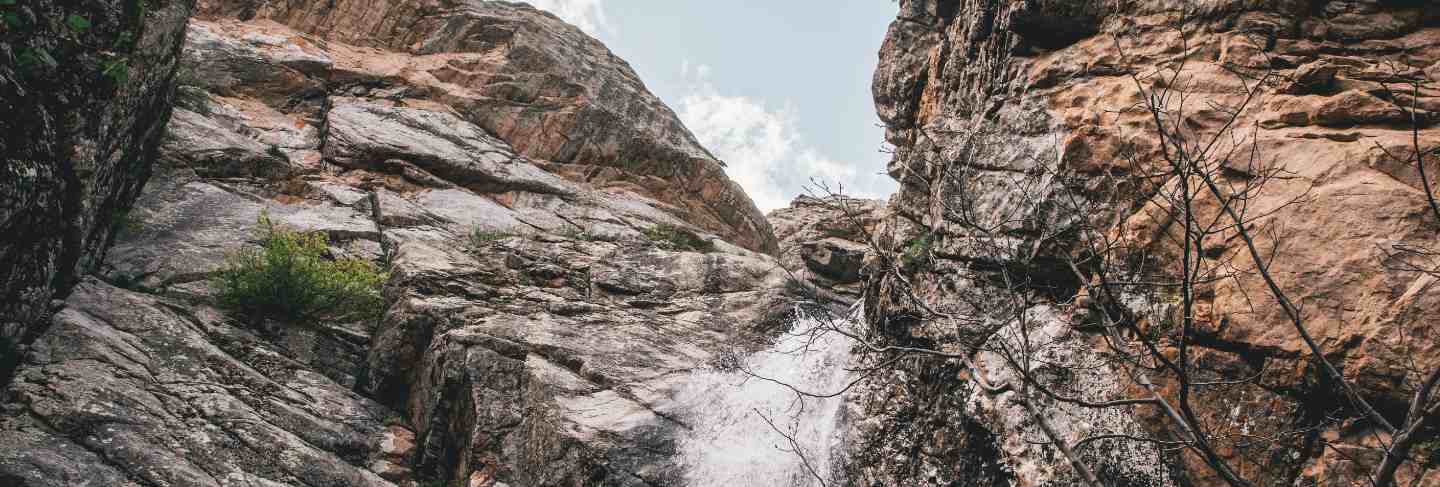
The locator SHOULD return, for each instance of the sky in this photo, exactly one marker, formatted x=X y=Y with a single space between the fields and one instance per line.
x=778 y=89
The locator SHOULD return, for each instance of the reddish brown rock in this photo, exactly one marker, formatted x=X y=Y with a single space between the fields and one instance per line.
x=973 y=93
x=544 y=87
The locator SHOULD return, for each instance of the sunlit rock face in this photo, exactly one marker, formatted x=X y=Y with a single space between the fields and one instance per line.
x=66 y=178
x=972 y=91
x=506 y=170
x=823 y=241
x=552 y=92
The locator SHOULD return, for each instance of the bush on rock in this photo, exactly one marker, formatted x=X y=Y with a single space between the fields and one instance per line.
x=289 y=277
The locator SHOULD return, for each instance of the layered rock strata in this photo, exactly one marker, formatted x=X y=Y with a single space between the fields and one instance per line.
x=521 y=188
x=823 y=240
x=525 y=76
x=976 y=95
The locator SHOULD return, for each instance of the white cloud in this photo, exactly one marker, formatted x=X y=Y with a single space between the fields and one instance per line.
x=760 y=145
x=588 y=15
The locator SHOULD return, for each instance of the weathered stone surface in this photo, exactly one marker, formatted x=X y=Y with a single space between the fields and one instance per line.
x=363 y=135
x=534 y=334
x=75 y=143
x=974 y=93
x=212 y=150
x=131 y=389
x=184 y=226
x=824 y=241
x=554 y=361
x=546 y=88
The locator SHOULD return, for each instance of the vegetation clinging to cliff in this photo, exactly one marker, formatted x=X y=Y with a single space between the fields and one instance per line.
x=678 y=238
x=289 y=278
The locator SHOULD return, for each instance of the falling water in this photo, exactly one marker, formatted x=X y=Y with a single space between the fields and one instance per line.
x=731 y=443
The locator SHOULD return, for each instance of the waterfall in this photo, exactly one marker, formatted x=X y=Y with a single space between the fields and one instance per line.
x=731 y=443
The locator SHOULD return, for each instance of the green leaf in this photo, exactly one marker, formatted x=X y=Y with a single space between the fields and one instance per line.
x=7 y=2
x=45 y=57
x=125 y=41
x=118 y=70
x=12 y=19
x=76 y=23
x=31 y=57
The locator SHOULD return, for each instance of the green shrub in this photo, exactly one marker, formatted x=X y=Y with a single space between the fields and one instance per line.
x=676 y=237
x=190 y=92
x=125 y=223
x=289 y=278
x=479 y=237
x=194 y=99
x=917 y=253
x=580 y=234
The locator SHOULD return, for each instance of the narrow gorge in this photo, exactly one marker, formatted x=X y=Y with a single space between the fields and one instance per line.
x=1135 y=243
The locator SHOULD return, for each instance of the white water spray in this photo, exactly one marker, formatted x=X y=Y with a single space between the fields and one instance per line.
x=735 y=415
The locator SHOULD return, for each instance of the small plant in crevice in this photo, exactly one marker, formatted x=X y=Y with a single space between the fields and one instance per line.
x=117 y=69
x=678 y=238
x=581 y=235
x=395 y=419
x=190 y=92
x=480 y=237
x=277 y=153
x=580 y=280
x=630 y=165
x=194 y=99
x=917 y=253
x=290 y=277
x=125 y=222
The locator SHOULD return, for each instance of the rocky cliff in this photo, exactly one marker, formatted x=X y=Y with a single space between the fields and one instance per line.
x=525 y=76
x=561 y=255
x=68 y=178
x=1004 y=113
x=824 y=239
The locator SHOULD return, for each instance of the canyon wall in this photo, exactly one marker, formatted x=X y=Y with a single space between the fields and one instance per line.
x=85 y=91
x=1007 y=111
x=561 y=255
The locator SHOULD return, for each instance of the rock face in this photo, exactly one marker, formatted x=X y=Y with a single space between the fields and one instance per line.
x=523 y=75
x=66 y=178
x=823 y=240
x=562 y=254
x=521 y=188
x=127 y=388
x=976 y=94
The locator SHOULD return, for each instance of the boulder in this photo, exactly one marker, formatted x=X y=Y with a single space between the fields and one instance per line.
x=824 y=241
